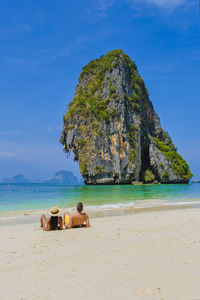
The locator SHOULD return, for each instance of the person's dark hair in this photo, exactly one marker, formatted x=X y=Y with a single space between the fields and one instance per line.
x=54 y=223
x=79 y=207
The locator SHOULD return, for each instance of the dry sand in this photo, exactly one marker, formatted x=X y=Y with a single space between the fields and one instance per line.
x=154 y=255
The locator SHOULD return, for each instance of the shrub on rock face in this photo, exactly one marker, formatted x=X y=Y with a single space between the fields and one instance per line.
x=113 y=130
x=149 y=176
x=165 y=176
x=177 y=163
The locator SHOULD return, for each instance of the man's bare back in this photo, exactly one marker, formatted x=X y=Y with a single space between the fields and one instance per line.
x=78 y=219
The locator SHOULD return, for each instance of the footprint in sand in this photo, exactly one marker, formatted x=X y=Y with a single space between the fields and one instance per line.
x=148 y=291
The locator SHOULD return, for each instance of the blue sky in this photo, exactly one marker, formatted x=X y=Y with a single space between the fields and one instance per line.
x=45 y=44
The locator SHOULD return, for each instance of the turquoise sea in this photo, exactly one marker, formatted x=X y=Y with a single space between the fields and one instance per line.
x=35 y=196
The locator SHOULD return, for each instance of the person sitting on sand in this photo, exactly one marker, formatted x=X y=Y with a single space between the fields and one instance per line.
x=79 y=219
x=54 y=222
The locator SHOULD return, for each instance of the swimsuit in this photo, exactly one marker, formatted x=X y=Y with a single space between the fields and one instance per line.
x=54 y=223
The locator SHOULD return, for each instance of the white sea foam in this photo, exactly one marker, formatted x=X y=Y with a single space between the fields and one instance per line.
x=142 y=204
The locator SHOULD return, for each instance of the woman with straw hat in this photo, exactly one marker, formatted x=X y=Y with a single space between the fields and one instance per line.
x=54 y=222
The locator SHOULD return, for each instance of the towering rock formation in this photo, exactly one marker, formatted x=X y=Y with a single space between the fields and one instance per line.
x=113 y=130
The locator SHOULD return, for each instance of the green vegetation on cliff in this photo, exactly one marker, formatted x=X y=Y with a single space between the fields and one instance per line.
x=132 y=136
x=106 y=63
x=179 y=165
x=148 y=176
x=88 y=100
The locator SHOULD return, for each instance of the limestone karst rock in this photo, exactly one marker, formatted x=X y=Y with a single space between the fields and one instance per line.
x=113 y=130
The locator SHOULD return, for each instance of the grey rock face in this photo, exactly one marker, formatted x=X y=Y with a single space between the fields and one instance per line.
x=113 y=130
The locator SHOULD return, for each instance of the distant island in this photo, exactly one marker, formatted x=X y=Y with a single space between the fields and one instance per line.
x=113 y=130
x=65 y=177
x=16 y=179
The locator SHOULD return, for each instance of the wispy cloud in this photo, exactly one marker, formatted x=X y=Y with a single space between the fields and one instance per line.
x=45 y=55
x=29 y=152
x=169 y=4
x=23 y=27
x=51 y=129
x=103 y=5
x=17 y=28
x=8 y=132
x=6 y=154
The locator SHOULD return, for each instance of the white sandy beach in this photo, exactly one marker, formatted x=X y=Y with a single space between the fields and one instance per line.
x=152 y=255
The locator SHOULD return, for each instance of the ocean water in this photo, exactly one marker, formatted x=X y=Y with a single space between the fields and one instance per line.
x=33 y=197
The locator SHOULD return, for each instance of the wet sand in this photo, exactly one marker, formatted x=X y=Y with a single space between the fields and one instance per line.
x=150 y=255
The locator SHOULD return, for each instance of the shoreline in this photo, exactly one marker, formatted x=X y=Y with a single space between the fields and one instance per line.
x=33 y=216
x=150 y=256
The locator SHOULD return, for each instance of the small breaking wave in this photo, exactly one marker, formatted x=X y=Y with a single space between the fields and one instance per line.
x=142 y=204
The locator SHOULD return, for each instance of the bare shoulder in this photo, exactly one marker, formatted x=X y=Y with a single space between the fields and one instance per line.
x=85 y=215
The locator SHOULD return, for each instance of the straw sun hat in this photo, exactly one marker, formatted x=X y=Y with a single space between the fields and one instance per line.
x=54 y=211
